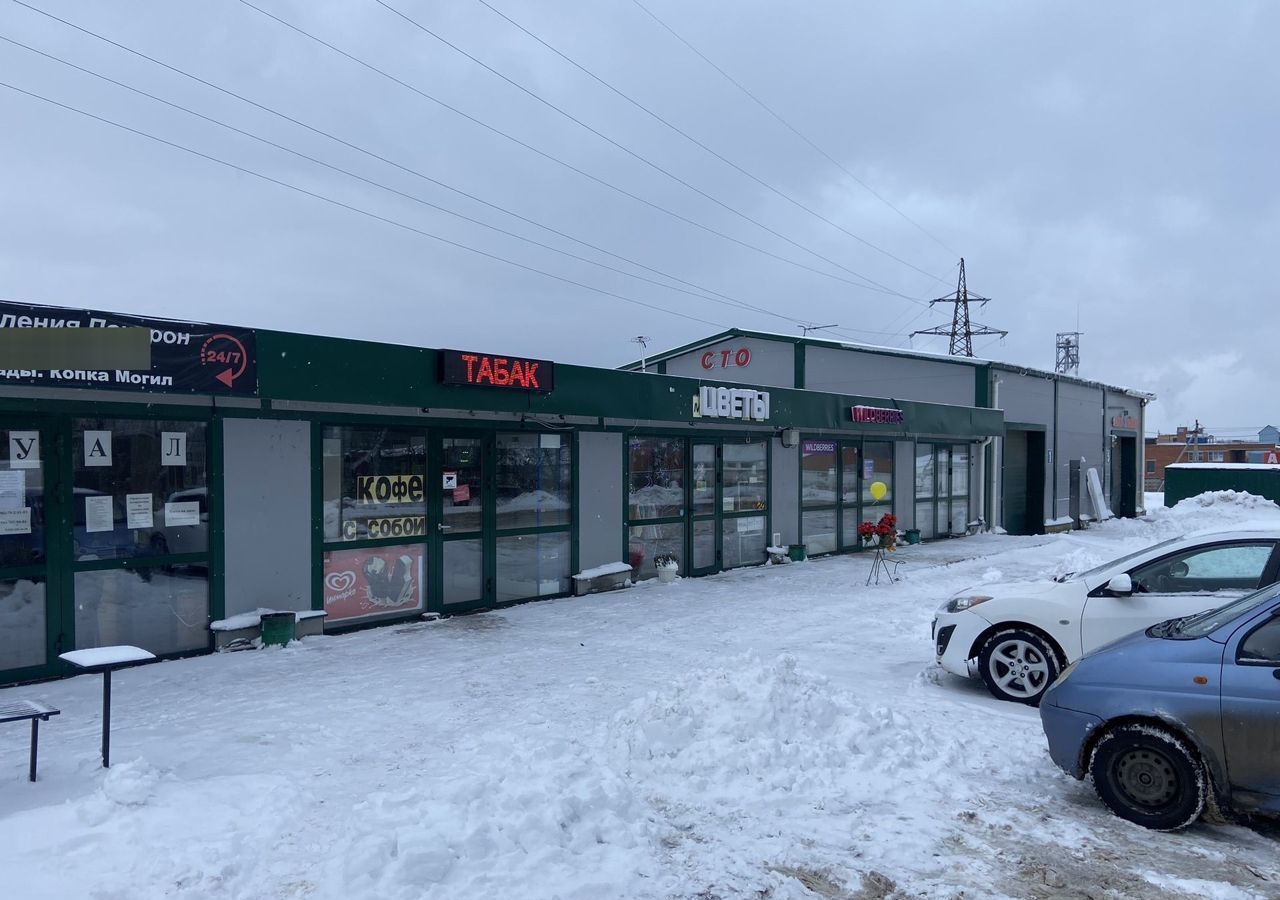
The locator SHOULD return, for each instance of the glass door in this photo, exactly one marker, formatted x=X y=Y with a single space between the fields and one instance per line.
x=30 y=614
x=705 y=501
x=461 y=487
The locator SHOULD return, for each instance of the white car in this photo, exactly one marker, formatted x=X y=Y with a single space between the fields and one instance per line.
x=1017 y=637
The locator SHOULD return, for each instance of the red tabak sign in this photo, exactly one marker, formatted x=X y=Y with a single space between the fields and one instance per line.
x=490 y=370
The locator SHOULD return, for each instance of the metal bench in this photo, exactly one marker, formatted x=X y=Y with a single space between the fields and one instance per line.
x=19 y=710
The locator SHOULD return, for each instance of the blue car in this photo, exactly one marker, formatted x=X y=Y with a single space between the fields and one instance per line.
x=1180 y=716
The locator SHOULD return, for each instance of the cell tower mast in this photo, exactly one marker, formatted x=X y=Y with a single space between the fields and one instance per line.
x=1068 y=358
x=962 y=328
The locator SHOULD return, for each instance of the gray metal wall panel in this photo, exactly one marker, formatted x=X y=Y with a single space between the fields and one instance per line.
x=772 y=364
x=837 y=371
x=784 y=492
x=1081 y=434
x=600 y=511
x=1028 y=398
x=267 y=501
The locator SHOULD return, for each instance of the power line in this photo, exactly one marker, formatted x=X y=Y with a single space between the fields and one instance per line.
x=831 y=159
x=355 y=209
x=869 y=285
x=569 y=166
x=363 y=150
x=728 y=300
x=647 y=111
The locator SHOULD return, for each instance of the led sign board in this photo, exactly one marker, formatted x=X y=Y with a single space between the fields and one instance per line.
x=488 y=370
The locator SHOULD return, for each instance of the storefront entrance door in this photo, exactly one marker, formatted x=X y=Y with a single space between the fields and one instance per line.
x=462 y=494
x=30 y=616
x=705 y=502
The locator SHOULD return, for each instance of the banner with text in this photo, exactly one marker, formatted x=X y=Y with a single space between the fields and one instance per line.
x=186 y=357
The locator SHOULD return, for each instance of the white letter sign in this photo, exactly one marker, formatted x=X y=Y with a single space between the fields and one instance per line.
x=97 y=448
x=173 y=448
x=24 y=449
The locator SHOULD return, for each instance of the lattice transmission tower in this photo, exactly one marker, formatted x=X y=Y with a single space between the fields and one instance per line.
x=963 y=328
x=1068 y=358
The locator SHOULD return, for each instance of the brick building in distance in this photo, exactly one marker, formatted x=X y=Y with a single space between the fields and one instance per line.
x=1193 y=445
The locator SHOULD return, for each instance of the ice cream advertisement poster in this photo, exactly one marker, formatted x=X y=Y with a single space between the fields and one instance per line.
x=377 y=581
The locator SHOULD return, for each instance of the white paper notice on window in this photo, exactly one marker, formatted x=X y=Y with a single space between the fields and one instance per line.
x=13 y=489
x=15 y=521
x=184 y=513
x=137 y=508
x=97 y=448
x=549 y=441
x=750 y=525
x=98 y=514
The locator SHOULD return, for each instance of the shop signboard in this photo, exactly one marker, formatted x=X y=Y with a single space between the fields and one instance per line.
x=373 y=581
x=808 y=448
x=186 y=357
x=731 y=403
x=878 y=415
x=459 y=367
x=738 y=358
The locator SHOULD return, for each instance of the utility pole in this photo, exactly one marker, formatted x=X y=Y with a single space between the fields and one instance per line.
x=1068 y=358
x=962 y=328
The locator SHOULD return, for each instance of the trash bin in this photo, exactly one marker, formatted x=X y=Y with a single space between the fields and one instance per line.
x=277 y=628
x=796 y=552
x=913 y=535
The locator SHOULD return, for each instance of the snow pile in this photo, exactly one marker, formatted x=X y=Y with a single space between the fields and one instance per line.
x=751 y=731
x=527 y=819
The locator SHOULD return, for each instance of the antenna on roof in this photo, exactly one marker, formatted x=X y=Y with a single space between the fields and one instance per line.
x=805 y=329
x=643 y=340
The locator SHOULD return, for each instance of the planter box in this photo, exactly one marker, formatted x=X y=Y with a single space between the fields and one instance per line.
x=610 y=577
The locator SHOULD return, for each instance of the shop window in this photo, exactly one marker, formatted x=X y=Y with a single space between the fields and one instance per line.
x=164 y=610
x=645 y=543
x=140 y=489
x=818 y=478
x=374 y=483
x=877 y=468
x=533 y=565
x=746 y=477
x=849 y=475
x=819 y=529
x=22 y=530
x=656 y=475
x=743 y=540
x=534 y=480
x=22 y=623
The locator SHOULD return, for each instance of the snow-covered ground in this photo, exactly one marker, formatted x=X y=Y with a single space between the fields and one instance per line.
x=778 y=732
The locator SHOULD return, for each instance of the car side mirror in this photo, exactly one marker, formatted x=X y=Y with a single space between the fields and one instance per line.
x=1121 y=585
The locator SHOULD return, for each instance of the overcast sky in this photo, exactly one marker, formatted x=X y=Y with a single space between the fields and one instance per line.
x=1111 y=165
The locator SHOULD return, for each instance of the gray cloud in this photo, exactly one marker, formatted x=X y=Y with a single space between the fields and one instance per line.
x=1111 y=162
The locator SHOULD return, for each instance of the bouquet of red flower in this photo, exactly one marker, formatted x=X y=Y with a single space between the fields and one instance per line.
x=866 y=530
x=887 y=529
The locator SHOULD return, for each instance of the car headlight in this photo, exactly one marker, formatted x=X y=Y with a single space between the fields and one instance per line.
x=959 y=604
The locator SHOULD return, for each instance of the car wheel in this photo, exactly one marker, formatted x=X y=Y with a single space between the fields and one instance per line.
x=1149 y=775
x=1018 y=665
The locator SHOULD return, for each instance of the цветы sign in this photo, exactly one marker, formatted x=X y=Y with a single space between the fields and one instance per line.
x=731 y=403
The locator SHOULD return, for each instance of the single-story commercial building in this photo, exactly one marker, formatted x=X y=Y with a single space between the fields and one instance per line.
x=260 y=469
x=1023 y=477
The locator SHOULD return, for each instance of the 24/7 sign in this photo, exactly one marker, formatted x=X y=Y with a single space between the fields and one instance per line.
x=487 y=370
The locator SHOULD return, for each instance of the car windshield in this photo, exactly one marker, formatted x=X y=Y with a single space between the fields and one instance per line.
x=1210 y=621
x=1111 y=564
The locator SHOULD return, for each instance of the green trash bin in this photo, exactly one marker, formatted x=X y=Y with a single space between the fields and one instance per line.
x=796 y=552
x=913 y=535
x=277 y=628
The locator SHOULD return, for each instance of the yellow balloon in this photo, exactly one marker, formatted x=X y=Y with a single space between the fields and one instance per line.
x=879 y=489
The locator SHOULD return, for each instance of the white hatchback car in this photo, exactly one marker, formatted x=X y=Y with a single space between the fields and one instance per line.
x=1018 y=636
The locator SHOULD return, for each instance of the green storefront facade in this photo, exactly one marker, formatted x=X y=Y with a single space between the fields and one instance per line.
x=377 y=482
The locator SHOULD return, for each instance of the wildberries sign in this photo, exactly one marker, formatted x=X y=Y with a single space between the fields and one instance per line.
x=487 y=370
x=878 y=415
